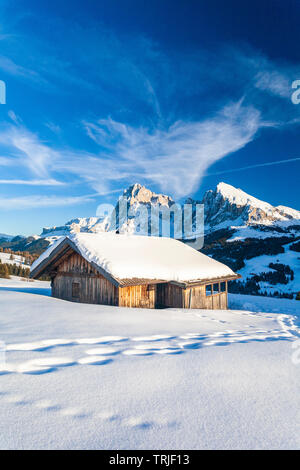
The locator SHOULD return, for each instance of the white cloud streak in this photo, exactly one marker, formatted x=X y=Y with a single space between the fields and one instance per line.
x=48 y=182
x=38 y=201
x=29 y=151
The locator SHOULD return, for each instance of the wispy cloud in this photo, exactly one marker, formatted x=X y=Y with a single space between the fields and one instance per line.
x=45 y=182
x=174 y=159
x=4 y=161
x=33 y=202
x=28 y=150
x=12 y=68
x=12 y=115
x=274 y=82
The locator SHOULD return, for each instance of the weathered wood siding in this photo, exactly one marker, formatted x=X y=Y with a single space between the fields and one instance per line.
x=138 y=296
x=78 y=281
x=169 y=295
x=195 y=297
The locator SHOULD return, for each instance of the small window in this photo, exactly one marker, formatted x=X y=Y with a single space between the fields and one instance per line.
x=208 y=289
x=215 y=288
x=75 y=290
x=223 y=287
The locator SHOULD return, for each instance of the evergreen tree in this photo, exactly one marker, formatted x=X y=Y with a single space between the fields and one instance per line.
x=4 y=273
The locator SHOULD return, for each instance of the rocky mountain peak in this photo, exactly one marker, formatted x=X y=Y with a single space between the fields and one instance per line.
x=227 y=203
x=138 y=194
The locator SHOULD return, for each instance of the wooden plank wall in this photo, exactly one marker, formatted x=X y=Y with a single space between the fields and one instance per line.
x=93 y=287
x=195 y=297
x=138 y=296
x=169 y=295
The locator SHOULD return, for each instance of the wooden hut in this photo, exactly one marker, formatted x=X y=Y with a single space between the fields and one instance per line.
x=133 y=271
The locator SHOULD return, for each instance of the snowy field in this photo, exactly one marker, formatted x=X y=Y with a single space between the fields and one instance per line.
x=80 y=376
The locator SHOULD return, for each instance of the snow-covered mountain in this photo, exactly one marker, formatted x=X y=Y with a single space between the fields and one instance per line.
x=80 y=224
x=227 y=205
x=135 y=196
x=258 y=240
x=4 y=236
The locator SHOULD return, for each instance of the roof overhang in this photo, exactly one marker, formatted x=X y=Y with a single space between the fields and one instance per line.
x=201 y=282
x=67 y=247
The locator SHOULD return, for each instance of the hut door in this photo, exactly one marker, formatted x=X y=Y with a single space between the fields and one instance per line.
x=75 y=291
x=160 y=295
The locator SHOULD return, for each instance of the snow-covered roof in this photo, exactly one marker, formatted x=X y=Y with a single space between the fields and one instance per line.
x=139 y=257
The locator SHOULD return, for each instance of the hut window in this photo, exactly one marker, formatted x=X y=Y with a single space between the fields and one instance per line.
x=215 y=288
x=222 y=286
x=75 y=290
x=208 y=289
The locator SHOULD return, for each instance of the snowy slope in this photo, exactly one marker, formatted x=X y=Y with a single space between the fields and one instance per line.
x=5 y=236
x=96 y=377
x=18 y=260
x=261 y=264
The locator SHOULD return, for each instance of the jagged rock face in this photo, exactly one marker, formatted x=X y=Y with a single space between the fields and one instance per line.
x=137 y=194
x=228 y=204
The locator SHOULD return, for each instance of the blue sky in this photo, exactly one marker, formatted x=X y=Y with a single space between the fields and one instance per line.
x=176 y=95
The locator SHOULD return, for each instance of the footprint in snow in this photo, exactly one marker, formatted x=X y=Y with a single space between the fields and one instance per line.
x=94 y=360
x=47 y=405
x=137 y=352
x=155 y=346
x=152 y=338
x=189 y=344
x=101 y=340
x=138 y=423
x=27 y=347
x=168 y=351
x=102 y=351
x=74 y=412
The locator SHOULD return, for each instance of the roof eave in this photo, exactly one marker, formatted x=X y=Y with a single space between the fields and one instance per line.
x=200 y=282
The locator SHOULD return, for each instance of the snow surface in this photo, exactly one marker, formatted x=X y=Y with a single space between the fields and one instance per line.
x=133 y=256
x=80 y=376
